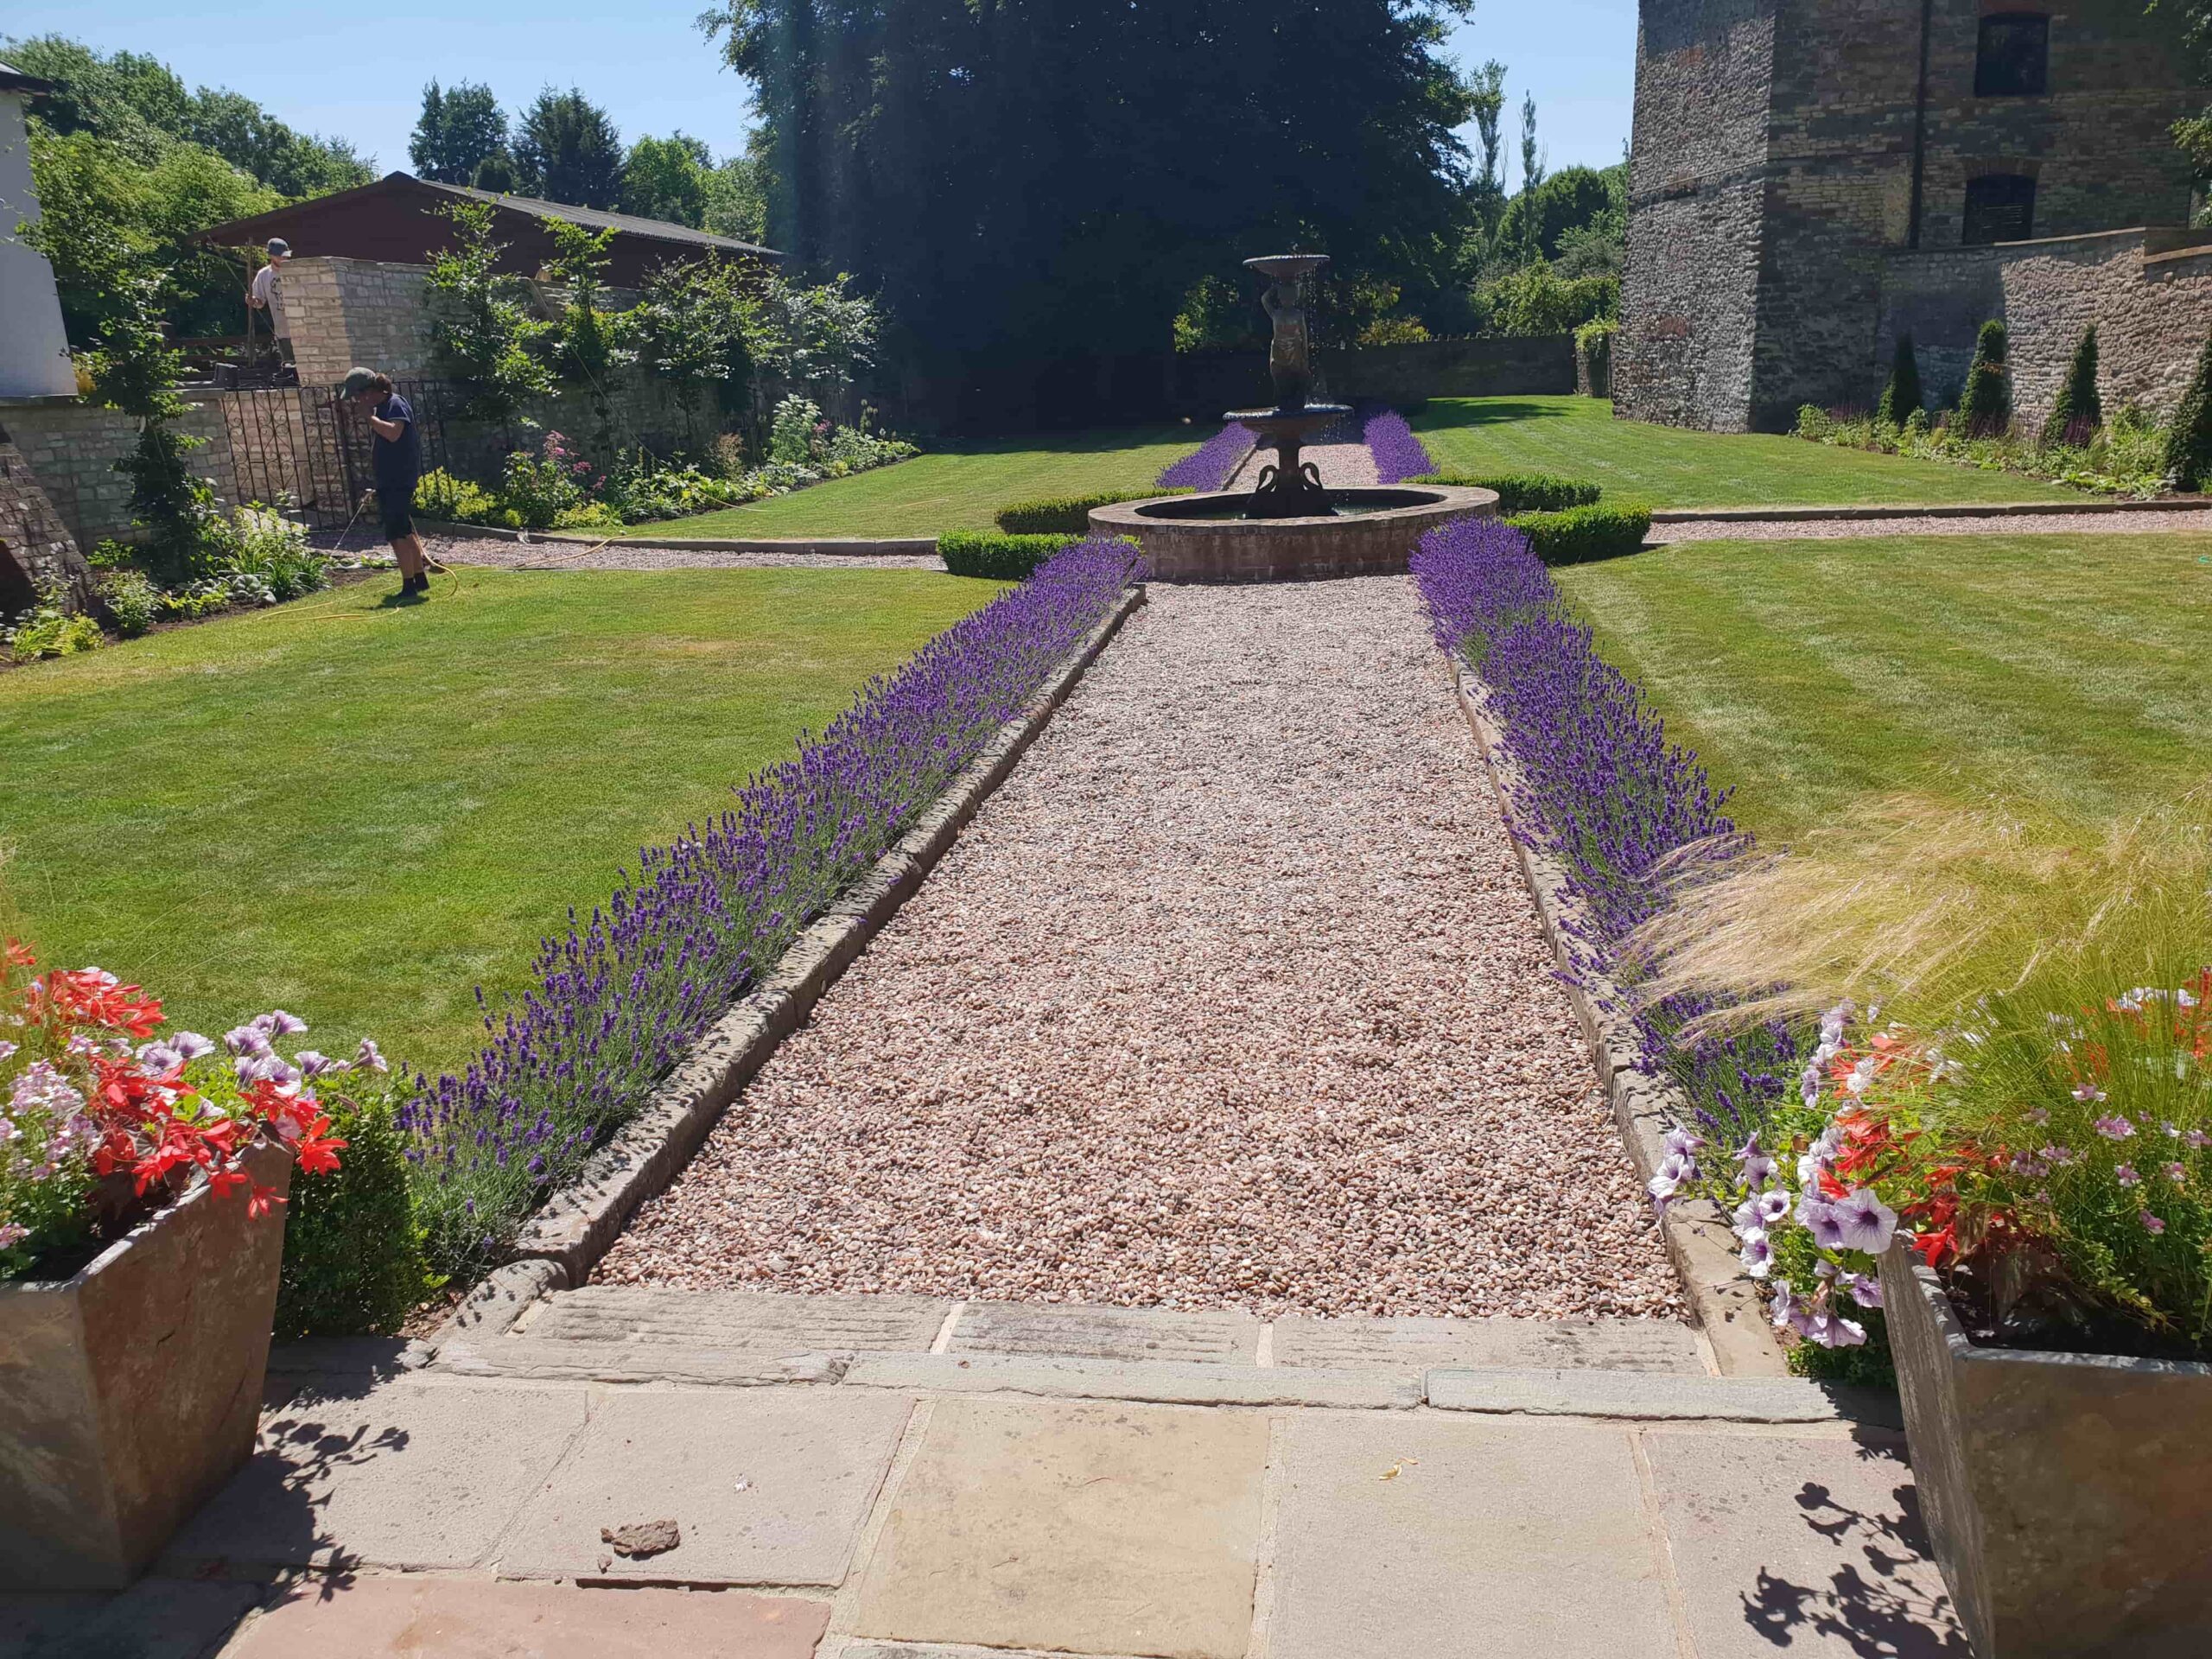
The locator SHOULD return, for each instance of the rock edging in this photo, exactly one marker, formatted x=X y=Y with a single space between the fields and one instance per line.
x=1699 y=1241
x=579 y=1224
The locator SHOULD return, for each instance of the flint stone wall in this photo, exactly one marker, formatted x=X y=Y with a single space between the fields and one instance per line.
x=37 y=553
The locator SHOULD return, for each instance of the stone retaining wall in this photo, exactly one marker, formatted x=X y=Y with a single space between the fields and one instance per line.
x=36 y=551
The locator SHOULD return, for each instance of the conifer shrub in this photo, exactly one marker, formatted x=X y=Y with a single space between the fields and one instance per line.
x=1902 y=398
x=2078 y=404
x=1985 y=405
x=2189 y=439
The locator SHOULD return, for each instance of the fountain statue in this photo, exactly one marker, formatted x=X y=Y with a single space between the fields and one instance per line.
x=1289 y=487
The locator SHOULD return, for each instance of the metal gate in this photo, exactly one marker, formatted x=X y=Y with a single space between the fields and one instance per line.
x=301 y=448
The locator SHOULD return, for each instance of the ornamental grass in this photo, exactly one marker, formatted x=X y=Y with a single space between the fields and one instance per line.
x=622 y=993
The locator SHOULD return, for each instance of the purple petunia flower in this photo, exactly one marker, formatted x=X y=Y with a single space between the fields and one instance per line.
x=1822 y=1221
x=1757 y=1254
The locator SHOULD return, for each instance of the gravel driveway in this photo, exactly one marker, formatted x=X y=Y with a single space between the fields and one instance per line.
x=1231 y=996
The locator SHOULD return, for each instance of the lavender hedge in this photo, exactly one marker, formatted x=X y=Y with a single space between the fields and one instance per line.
x=1398 y=453
x=1208 y=467
x=619 y=998
x=1600 y=789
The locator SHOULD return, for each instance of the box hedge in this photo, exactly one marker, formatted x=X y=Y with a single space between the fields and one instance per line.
x=1524 y=492
x=1068 y=515
x=1000 y=557
x=1578 y=535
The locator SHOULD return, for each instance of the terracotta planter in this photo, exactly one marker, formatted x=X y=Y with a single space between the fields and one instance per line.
x=2068 y=1496
x=128 y=1393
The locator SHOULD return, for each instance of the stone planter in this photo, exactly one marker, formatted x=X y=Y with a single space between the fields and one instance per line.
x=2068 y=1496
x=128 y=1394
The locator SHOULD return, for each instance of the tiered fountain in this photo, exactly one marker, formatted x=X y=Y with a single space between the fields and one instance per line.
x=1290 y=527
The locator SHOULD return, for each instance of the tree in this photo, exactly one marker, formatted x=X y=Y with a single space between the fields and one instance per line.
x=2189 y=439
x=1986 y=406
x=1535 y=299
x=2078 y=401
x=1575 y=199
x=1902 y=394
x=459 y=130
x=691 y=326
x=667 y=179
x=1532 y=175
x=482 y=330
x=566 y=149
x=737 y=201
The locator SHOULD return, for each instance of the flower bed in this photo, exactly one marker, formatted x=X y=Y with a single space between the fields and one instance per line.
x=1210 y=466
x=2126 y=457
x=1399 y=455
x=624 y=992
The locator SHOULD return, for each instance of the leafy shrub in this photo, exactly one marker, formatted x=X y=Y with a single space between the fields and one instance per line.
x=440 y=494
x=1524 y=492
x=1067 y=515
x=265 y=543
x=1535 y=299
x=1594 y=339
x=48 y=630
x=1578 y=535
x=794 y=428
x=353 y=1261
x=2186 y=460
x=1001 y=558
x=2125 y=457
x=1902 y=398
x=537 y=488
x=1985 y=405
x=131 y=601
x=2079 y=408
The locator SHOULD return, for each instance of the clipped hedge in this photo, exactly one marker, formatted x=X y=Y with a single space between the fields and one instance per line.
x=1000 y=557
x=1524 y=492
x=1067 y=515
x=1578 y=535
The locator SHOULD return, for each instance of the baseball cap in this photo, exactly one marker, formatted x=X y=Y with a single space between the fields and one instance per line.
x=278 y=248
x=357 y=381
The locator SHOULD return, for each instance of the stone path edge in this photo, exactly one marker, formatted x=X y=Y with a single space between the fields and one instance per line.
x=1723 y=1304
x=564 y=1240
x=1944 y=510
x=856 y=547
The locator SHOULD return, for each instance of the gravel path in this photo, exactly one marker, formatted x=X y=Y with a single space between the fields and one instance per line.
x=1231 y=996
x=2033 y=524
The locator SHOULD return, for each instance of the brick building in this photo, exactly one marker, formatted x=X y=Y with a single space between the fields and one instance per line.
x=1810 y=176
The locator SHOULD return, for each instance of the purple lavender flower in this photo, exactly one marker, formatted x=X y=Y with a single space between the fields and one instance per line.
x=1209 y=465
x=1398 y=453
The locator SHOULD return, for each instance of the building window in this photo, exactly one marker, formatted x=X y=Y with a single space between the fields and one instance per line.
x=2000 y=207
x=2014 y=58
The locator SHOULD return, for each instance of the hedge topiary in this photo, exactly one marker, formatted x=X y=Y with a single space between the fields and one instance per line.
x=1985 y=405
x=1524 y=492
x=2189 y=439
x=353 y=1261
x=1902 y=396
x=2077 y=393
x=1578 y=535
x=1000 y=557
x=1067 y=515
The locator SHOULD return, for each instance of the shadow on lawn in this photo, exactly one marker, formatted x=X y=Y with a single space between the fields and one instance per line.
x=1445 y=412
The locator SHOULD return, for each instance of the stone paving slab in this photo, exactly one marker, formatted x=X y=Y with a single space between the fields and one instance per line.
x=616 y=1362
x=1165 y=1382
x=417 y=1618
x=1083 y=1527
x=764 y=1488
x=1412 y=1342
x=1800 y=1545
x=1106 y=1333
x=758 y=1322
x=1403 y=1537
x=1645 y=1395
x=411 y=1475
x=156 y=1618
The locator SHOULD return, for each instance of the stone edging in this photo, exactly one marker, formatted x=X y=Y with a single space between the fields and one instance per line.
x=579 y=1224
x=1947 y=510
x=848 y=547
x=1697 y=1234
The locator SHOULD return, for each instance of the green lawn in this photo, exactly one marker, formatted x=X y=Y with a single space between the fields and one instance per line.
x=1668 y=466
x=361 y=812
x=2066 y=670
x=957 y=489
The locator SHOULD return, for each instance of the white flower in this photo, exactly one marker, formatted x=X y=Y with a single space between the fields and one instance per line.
x=1785 y=1310
x=191 y=1045
x=6 y=1049
x=1757 y=1254
x=1864 y=1221
x=1772 y=1206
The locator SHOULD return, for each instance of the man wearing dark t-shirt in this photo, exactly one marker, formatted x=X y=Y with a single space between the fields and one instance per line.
x=396 y=462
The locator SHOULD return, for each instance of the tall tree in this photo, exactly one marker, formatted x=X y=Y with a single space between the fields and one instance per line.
x=667 y=178
x=566 y=149
x=460 y=128
x=1532 y=175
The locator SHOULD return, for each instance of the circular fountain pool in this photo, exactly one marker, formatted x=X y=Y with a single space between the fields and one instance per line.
x=1212 y=539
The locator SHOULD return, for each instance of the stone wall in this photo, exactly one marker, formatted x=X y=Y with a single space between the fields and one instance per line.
x=37 y=550
x=72 y=448
x=1202 y=385
x=2149 y=292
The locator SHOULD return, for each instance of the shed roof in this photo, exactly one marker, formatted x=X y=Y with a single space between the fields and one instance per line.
x=13 y=79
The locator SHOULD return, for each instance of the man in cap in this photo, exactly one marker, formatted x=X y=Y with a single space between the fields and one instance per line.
x=263 y=303
x=396 y=462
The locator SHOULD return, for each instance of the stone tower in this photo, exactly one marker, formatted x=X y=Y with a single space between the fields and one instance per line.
x=1785 y=150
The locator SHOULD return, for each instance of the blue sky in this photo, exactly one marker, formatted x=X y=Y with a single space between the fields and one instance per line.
x=358 y=70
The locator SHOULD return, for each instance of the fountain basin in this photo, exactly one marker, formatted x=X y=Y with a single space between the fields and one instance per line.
x=1208 y=538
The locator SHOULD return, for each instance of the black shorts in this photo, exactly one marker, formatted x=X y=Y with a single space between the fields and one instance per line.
x=398 y=520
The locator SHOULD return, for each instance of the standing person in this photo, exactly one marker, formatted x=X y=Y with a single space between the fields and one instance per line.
x=396 y=456
x=263 y=301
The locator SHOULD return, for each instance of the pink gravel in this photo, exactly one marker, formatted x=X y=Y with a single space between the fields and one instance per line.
x=1231 y=996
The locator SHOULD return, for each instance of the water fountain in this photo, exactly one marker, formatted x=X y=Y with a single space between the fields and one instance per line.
x=1289 y=526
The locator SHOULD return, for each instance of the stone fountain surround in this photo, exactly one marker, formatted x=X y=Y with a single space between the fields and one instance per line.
x=1287 y=550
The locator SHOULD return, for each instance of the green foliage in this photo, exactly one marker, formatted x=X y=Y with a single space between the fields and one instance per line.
x=1588 y=200
x=131 y=601
x=588 y=343
x=1000 y=557
x=264 y=544
x=692 y=326
x=737 y=201
x=1578 y=535
x=460 y=129
x=48 y=630
x=2078 y=401
x=1985 y=405
x=821 y=335
x=2187 y=457
x=1524 y=492
x=1594 y=339
x=1901 y=397
x=667 y=179
x=481 y=327
x=2126 y=457
x=439 y=495
x=1067 y=515
x=1535 y=300
x=353 y=1261
x=566 y=149
x=1217 y=316
x=791 y=435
